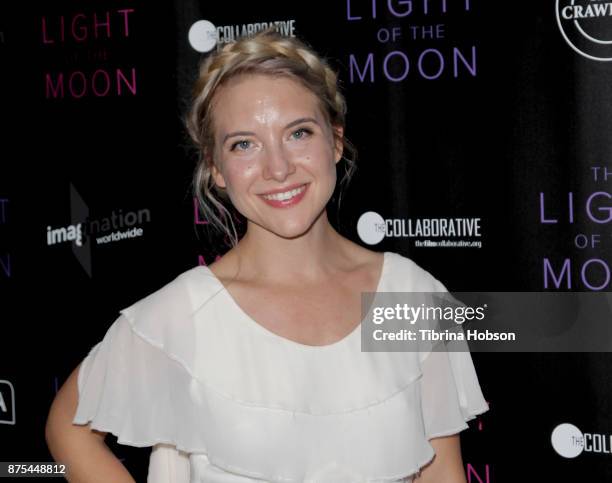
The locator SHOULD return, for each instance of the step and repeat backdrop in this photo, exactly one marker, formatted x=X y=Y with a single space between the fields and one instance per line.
x=491 y=119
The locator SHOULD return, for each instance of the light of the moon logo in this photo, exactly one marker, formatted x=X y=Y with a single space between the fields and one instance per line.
x=586 y=26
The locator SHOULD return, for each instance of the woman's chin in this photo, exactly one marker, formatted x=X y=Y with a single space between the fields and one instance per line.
x=289 y=229
x=291 y=232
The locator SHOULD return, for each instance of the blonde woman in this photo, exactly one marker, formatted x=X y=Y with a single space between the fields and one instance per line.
x=251 y=369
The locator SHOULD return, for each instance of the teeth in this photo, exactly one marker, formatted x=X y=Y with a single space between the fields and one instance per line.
x=286 y=195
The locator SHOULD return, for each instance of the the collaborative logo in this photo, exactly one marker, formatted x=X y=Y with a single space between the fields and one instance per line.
x=204 y=36
x=7 y=402
x=372 y=228
x=586 y=26
x=568 y=441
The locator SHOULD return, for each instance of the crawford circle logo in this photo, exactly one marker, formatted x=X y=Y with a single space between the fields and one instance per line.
x=586 y=26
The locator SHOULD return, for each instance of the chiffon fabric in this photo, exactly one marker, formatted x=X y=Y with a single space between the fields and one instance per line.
x=221 y=399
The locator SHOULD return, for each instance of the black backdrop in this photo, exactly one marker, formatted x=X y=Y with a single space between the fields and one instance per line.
x=459 y=109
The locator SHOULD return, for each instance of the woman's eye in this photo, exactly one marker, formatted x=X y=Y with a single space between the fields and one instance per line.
x=241 y=145
x=301 y=133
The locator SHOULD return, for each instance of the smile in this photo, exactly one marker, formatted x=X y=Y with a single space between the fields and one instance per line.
x=285 y=195
x=285 y=198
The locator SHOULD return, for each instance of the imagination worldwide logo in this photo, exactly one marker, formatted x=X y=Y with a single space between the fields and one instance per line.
x=586 y=26
x=83 y=232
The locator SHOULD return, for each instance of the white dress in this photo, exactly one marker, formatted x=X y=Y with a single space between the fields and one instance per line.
x=224 y=400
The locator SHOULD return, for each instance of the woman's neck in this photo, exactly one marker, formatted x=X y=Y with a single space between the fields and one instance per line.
x=267 y=257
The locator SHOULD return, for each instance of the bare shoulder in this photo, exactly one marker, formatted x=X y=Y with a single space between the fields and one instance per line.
x=352 y=259
x=370 y=258
x=225 y=268
x=361 y=252
x=364 y=261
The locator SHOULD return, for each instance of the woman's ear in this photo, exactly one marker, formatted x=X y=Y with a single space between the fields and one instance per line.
x=338 y=132
x=214 y=170
x=218 y=177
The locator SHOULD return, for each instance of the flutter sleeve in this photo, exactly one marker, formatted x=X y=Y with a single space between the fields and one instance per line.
x=450 y=393
x=450 y=390
x=131 y=388
x=121 y=384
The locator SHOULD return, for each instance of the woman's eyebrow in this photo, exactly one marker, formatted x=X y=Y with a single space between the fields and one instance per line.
x=300 y=121
x=250 y=133
x=237 y=133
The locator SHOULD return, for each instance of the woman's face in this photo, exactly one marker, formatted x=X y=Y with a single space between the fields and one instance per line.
x=275 y=151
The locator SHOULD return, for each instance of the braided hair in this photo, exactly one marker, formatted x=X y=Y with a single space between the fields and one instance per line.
x=268 y=53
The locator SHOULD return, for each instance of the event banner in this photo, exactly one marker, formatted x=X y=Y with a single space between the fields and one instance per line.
x=483 y=132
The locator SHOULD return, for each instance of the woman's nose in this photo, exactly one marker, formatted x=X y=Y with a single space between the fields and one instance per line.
x=277 y=163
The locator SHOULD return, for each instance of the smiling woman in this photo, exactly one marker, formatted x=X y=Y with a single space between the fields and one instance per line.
x=251 y=369
x=285 y=86
x=284 y=154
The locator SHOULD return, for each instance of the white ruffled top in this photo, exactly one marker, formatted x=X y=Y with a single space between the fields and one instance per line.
x=220 y=398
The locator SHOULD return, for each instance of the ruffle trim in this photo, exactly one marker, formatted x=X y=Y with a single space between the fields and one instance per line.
x=213 y=335
x=133 y=388
x=270 y=405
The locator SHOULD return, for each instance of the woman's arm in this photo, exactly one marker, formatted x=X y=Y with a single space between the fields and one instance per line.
x=447 y=465
x=87 y=457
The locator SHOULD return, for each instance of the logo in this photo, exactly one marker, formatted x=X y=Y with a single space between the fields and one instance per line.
x=84 y=233
x=7 y=402
x=84 y=54
x=372 y=228
x=586 y=26
x=568 y=441
x=203 y=36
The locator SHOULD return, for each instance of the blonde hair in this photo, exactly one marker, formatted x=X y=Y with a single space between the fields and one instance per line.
x=266 y=53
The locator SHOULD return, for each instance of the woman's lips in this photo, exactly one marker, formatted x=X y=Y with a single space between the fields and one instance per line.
x=287 y=198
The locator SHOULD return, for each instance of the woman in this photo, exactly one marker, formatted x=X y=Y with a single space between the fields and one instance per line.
x=250 y=369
